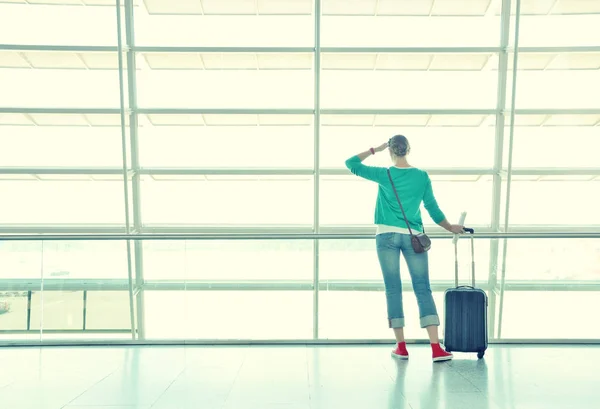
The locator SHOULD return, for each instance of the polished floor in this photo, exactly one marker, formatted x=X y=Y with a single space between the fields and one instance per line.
x=292 y=377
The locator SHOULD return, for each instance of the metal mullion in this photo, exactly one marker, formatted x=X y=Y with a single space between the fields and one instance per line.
x=66 y=48
x=225 y=172
x=565 y=111
x=498 y=159
x=134 y=140
x=58 y=229
x=347 y=229
x=225 y=111
x=316 y=164
x=410 y=50
x=409 y=111
x=125 y=172
x=430 y=171
x=60 y=331
x=84 y=309
x=250 y=50
x=555 y=229
x=307 y=285
x=60 y=171
x=281 y=285
x=273 y=342
x=277 y=111
x=266 y=229
x=63 y=285
x=556 y=171
x=295 y=172
x=36 y=110
x=510 y=157
x=295 y=236
x=558 y=49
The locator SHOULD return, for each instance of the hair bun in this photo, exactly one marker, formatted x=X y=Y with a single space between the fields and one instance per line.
x=399 y=145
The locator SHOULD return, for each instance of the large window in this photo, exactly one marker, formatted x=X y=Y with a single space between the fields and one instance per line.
x=236 y=117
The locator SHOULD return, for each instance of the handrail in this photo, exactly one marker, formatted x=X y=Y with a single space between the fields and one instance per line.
x=291 y=236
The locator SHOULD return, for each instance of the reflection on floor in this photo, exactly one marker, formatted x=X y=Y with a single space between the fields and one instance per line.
x=290 y=377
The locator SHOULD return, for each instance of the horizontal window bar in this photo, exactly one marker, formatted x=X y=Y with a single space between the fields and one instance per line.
x=63 y=285
x=555 y=49
x=411 y=50
x=431 y=171
x=285 y=171
x=226 y=111
x=553 y=171
x=188 y=49
x=71 y=48
x=567 y=111
x=60 y=171
x=308 y=236
x=300 y=342
x=184 y=49
x=66 y=331
x=14 y=229
x=62 y=229
x=407 y=111
x=300 y=111
x=248 y=171
x=16 y=285
x=41 y=110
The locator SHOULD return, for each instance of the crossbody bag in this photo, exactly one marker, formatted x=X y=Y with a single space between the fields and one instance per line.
x=420 y=242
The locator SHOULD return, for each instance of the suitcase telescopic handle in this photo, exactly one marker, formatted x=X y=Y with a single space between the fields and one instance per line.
x=471 y=234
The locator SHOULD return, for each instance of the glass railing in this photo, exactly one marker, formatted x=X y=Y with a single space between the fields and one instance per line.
x=257 y=287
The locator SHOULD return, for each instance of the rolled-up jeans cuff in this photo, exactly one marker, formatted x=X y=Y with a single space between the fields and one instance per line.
x=396 y=322
x=430 y=320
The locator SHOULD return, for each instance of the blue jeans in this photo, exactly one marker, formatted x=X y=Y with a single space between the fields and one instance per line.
x=389 y=246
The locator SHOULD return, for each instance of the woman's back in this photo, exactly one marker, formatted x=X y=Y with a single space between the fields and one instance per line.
x=413 y=186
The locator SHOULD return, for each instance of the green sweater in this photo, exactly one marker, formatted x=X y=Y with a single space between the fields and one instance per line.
x=413 y=186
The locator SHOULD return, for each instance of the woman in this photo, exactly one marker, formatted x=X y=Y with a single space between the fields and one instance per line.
x=413 y=186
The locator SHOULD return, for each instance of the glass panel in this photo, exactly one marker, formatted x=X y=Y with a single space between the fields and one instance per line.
x=537 y=202
x=572 y=79
x=207 y=86
x=351 y=260
x=55 y=24
x=362 y=315
x=246 y=146
x=60 y=79
x=552 y=260
x=578 y=19
x=228 y=314
x=431 y=146
x=68 y=146
x=77 y=200
x=13 y=311
x=209 y=23
x=229 y=200
x=78 y=260
x=57 y=310
x=20 y=260
x=107 y=310
x=349 y=200
x=419 y=88
x=546 y=145
x=535 y=315
x=402 y=23
x=228 y=260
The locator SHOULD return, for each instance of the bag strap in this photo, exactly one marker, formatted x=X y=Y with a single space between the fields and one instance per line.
x=399 y=202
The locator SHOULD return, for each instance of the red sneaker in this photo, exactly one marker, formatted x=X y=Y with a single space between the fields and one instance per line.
x=439 y=354
x=400 y=351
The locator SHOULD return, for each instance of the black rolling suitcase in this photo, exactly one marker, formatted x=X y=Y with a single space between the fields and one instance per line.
x=465 y=326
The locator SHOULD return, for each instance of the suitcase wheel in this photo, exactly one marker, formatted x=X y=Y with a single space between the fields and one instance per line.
x=480 y=354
